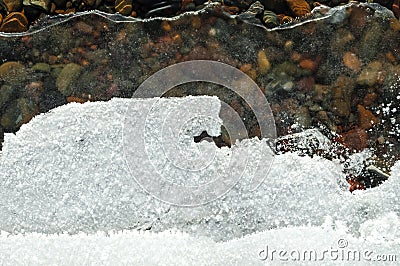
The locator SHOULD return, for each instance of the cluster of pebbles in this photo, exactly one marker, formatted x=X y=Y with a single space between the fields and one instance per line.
x=338 y=73
x=18 y=15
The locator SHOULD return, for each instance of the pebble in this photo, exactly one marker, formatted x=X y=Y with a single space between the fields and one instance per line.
x=124 y=7
x=11 y=117
x=299 y=8
x=66 y=78
x=45 y=5
x=12 y=5
x=355 y=139
x=14 y=22
x=370 y=74
x=350 y=60
x=366 y=117
x=263 y=63
x=41 y=67
x=341 y=94
x=13 y=72
x=6 y=92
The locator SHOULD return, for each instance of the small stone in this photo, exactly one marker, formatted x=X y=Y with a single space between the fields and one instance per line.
x=83 y=27
x=299 y=8
x=42 y=4
x=303 y=117
x=11 y=117
x=355 y=139
x=308 y=64
x=370 y=74
x=124 y=7
x=263 y=63
x=196 y=22
x=6 y=92
x=366 y=117
x=12 y=5
x=13 y=72
x=41 y=67
x=68 y=75
x=351 y=61
x=395 y=24
x=14 y=22
x=341 y=104
x=369 y=98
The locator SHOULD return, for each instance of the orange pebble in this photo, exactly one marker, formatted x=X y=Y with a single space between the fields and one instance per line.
x=351 y=61
x=367 y=118
x=75 y=99
x=308 y=64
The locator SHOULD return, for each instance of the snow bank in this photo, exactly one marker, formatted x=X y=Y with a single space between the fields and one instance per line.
x=65 y=172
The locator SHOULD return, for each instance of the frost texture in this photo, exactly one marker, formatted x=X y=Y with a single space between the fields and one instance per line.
x=65 y=172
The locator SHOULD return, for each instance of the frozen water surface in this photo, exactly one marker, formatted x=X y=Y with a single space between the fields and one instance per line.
x=65 y=173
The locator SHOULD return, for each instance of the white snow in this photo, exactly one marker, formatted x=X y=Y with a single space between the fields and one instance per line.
x=66 y=172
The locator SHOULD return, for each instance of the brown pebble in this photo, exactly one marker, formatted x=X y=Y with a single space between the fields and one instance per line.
x=395 y=24
x=299 y=8
x=124 y=7
x=263 y=63
x=166 y=26
x=14 y=22
x=12 y=5
x=74 y=99
x=369 y=99
x=82 y=27
x=246 y=67
x=196 y=22
x=366 y=117
x=355 y=139
x=308 y=64
x=391 y=57
x=306 y=84
x=351 y=61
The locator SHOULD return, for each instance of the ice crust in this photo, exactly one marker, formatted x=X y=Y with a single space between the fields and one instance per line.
x=65 y=173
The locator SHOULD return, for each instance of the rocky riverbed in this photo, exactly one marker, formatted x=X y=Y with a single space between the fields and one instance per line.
x=335 y=69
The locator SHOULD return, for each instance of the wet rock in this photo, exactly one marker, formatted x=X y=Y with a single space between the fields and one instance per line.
x=42 y=4
x=13 y=72
x=291 y=69
x=303 y=117
x=14 y=22
x=41 y=67
x=355 y=139
x=341 y=96
x=263 y=63
x=12 y=5
x=6 y=92
x=308 y=64
x=370 y=75
x=298 y=8
x=68 y=75
x=124 y=7
x=342 y=38
x=369 y=98
x=350 y=60
x=370 y=42
x=18 y=112
x=366 y=117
